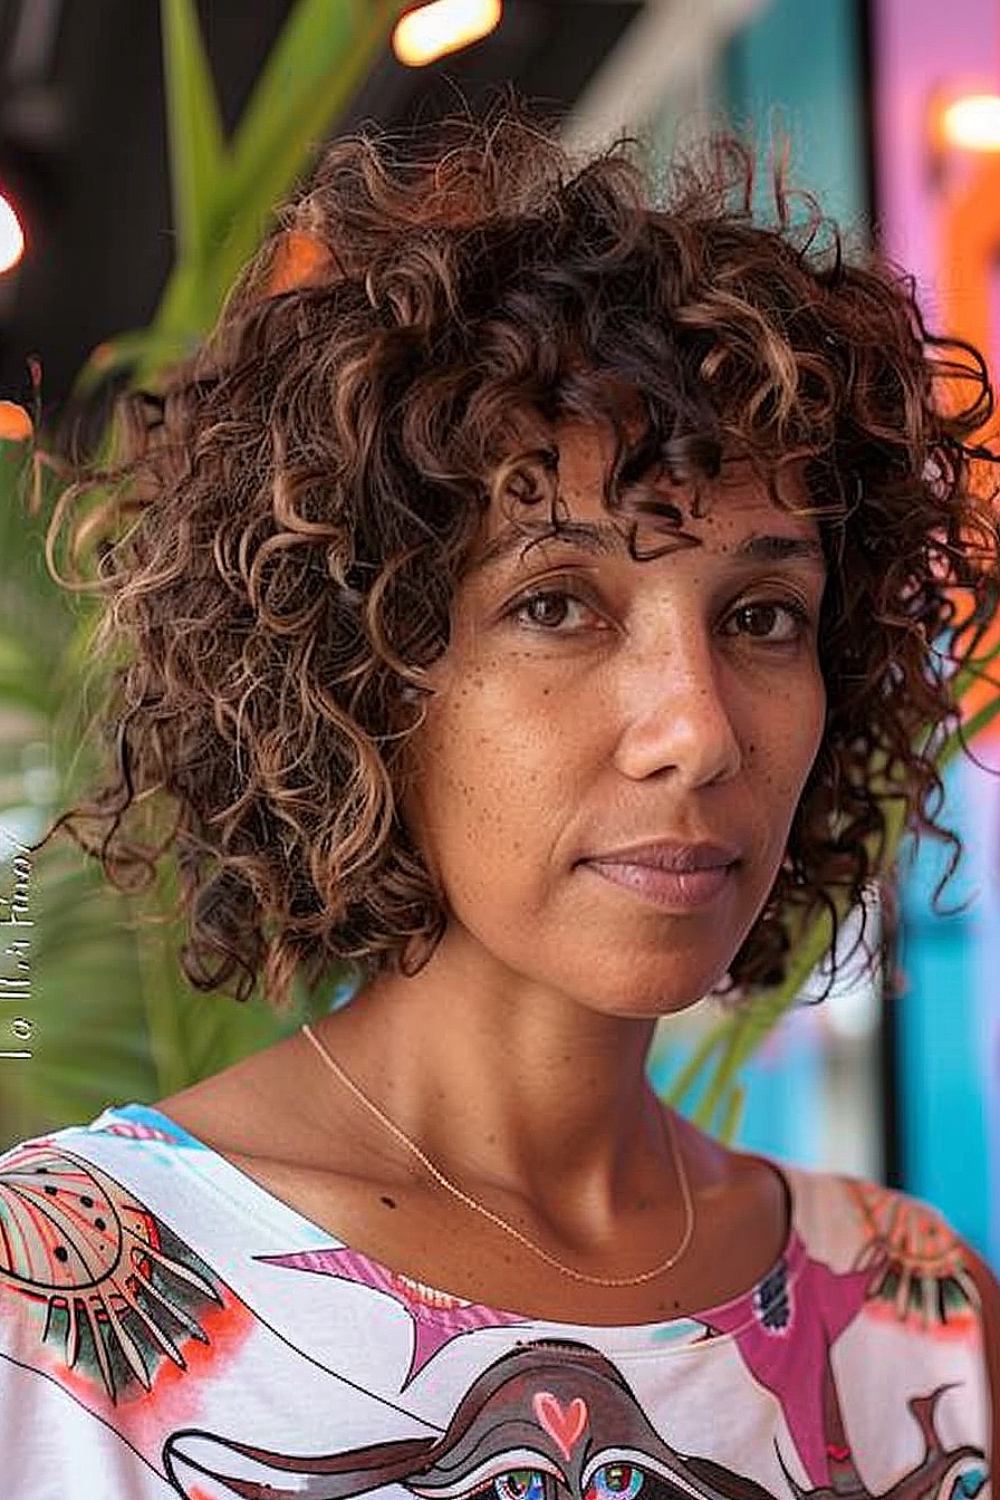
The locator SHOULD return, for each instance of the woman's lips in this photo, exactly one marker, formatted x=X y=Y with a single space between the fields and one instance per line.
x=672 y=890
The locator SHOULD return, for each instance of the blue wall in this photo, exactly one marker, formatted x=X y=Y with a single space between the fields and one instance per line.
x=939 y=1023
x=803 y=58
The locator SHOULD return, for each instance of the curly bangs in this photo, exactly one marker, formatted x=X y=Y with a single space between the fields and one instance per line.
x=280 y=536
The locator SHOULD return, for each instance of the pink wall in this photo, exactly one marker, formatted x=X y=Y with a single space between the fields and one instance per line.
x=920 y=46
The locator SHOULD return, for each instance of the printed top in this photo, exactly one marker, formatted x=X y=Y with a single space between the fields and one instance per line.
x=167 y=1327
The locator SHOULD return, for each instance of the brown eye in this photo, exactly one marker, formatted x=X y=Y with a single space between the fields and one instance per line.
x=762 y=614
x=766 y=614
x=551 y=609
x=548 y=609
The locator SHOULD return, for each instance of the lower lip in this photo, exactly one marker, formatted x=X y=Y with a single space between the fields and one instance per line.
x=673 y=890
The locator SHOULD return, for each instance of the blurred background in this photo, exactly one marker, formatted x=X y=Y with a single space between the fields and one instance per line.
x=141 y=147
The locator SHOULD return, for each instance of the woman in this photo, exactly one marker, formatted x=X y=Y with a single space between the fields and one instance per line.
x=517 y=595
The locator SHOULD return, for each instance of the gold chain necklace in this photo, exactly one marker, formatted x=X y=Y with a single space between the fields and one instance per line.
x=487 y=1213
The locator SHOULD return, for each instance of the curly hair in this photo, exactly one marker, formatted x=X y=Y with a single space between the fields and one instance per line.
x=279 y=536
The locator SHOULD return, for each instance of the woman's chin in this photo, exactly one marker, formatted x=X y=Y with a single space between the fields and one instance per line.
x=651 y=1000
x=647 y=981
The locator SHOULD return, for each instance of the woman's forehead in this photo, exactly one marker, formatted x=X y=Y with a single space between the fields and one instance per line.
x=735 y=501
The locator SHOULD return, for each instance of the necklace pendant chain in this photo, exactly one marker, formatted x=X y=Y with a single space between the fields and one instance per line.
x=677 y=1159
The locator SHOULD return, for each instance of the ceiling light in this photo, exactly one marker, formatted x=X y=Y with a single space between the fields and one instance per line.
x=431 y=31
x=11 y=235
x=972 y=123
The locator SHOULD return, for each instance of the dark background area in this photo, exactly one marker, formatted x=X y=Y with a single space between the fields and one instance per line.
x=83 y=143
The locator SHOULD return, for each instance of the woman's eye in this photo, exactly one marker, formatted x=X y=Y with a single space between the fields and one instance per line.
x=764 y=616
x=520 y=1484
x=615 y=1482
x=551 y=609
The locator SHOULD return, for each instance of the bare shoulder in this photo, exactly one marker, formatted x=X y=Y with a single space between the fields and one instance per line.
x=253 y=1109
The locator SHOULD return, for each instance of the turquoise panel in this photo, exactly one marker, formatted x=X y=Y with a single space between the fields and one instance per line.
x=939 y=1026
x=803 y=60
x=943 y=1122
x=783 y=1084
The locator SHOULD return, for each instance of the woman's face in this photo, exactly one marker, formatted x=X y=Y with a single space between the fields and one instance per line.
x=590 y=706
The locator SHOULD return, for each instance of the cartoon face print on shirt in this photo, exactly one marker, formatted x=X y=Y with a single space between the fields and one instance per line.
x=553 y=1420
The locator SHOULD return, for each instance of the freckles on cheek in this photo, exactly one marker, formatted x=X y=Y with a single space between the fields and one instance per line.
x=487 y=760
x=786 y=759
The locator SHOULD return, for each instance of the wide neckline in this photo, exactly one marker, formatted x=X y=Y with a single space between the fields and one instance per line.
x=664 y=1334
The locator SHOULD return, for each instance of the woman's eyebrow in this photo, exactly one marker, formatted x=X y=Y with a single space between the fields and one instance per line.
x=761 y=548
x=608 y=540
x=587 y=536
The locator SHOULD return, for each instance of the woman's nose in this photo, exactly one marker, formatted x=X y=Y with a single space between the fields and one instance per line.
x=675 y=716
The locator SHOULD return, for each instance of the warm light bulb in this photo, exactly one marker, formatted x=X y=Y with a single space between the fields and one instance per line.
x=11 y=236
x=973 y=123
x=443 y=26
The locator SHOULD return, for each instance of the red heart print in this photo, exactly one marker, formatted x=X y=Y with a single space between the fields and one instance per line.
x=564 y=1424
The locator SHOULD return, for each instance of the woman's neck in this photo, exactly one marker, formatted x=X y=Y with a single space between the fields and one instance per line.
x=503 y=1084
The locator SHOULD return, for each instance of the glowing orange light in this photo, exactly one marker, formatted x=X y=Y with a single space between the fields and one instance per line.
x=972 y=123
x=443 y=26
x=15 y=424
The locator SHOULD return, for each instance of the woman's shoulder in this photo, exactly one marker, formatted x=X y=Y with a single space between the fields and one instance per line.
x=80 y=1203
x=146 y=1287
x=834 y=1208
x=905 y=1254
x=127 y=1132
x=929 y=1297
x=255 y=1110
x=843 y=1220
x=36 y=1161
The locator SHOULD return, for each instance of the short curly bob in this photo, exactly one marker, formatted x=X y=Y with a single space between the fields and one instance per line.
x=281 y=533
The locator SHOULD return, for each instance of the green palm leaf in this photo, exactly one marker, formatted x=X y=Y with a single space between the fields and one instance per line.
x=111 y=1015
x=194 y=127
x=324 y=51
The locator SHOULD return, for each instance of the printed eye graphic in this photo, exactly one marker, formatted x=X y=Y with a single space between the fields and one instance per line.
x=520 y=1484
x=615 y=1482
x=964 y=1480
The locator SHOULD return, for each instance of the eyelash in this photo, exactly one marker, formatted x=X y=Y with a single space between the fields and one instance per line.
x=799 y=613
